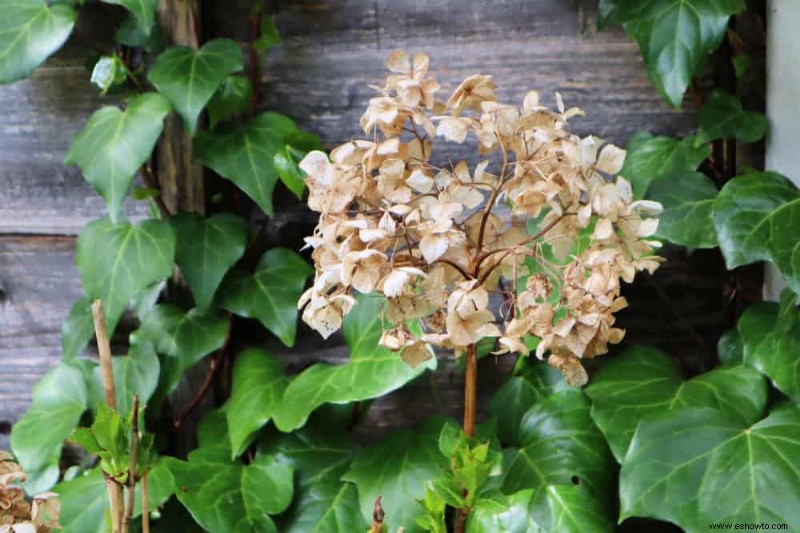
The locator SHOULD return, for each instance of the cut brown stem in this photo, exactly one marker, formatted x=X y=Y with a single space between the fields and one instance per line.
x=377 y=516
x=145 y=504
x=470 y=389
x=104 y=348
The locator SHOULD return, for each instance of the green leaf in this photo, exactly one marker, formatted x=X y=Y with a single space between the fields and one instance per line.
x=117 y=261
x=233 y=96
x=114 y=144
x=324 y=503
x=29 y=32
x=693 y=467
x=730 y=349
x=135 y=373
x=229 y=497
x=245 y=153
x=269 y=37
x=189 y=78
x=206 y=249
x=59 y=400
x=687 y=198
x=109 y=71
x=84 y=504
x=561 y=444
x=503 y=514
x=289 y=172
x=722 y=117
x=270 y=294
x=641 y=382
x=675 y=36
x=186 y=337
x=397 y=469
x=757 y=217
x=649 y=157
x=372 y=371
x=77 y=329
x=778 y=354
x=258 y=383
x=144 y=11
x=131 y=34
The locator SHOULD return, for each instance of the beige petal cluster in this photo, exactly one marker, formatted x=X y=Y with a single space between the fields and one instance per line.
x=534 y=241
x=17 y=514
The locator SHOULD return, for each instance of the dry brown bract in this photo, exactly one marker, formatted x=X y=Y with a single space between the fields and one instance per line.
x=545 y=205
x=17 y=514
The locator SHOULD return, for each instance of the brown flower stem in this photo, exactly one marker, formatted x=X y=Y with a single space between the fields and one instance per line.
x=492 y=199
x=254 y=70
x=461 y=521
x=104 y=348
x=470 y=389
x=131 y=484
x=377 y=516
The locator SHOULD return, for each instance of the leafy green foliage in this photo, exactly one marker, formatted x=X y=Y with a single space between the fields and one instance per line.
x=189 y=78
x=30 y=31
x=774 y=348
x=371 y=371
x=114 y=144
x=323 y=503
x=205 y=249
x=650 y=157
x=233 y=96
x=258 y=383
x=675 y=36
x=108 y=72
x=227 y=496
x=117 y=261
x=59 y=400
x=84 y=503
x=722 y=117
x=687 y=198
x=77 y=329
x=696 y=466
x=270 y=294
x=397 y=469
x=245 y=153
x=756 y=216
x=143 y=11
x=620 y=401
x=503 y=514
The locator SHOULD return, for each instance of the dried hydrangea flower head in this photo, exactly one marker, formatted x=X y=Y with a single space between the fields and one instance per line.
x=542 y=220
x=18 y=515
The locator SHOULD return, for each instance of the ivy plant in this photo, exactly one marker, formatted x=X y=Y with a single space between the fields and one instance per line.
x=641 y=440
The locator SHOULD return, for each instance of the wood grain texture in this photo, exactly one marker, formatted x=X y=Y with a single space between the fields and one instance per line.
x=332 y=51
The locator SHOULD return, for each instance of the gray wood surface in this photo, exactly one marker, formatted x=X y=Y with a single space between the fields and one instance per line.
x=332 y=50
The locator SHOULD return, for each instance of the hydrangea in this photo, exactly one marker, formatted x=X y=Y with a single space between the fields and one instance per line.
x=435 y=242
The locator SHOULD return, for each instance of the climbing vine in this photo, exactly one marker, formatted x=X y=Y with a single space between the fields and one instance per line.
x=639 y=440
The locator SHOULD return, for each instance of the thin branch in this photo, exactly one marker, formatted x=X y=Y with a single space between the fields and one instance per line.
x=131 y=482
x=145 y=504
x=254 y=69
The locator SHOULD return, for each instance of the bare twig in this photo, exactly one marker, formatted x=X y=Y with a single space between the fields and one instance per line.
x=145 y=504
x=131 y=484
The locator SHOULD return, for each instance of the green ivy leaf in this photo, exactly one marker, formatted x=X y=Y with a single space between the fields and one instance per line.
x=757 y=217
x=687 y=198
x=29 y=32
x=117 y=261
x=233 y=96
x=324 y=503
x=206 y=249
x=114 y=144
x=693 y=467
x=144 y=11
x=77 y=329
x=722 y=117
x=84 y=504
x=59 y=400
x=397 y=469
x=258 y=383
x=189 y=78
x=568 y=509
x=777 y=354
x=675 y=36
x=372 y=371
x=730 y=349
x=135 y=373
x=245 y=153
x=184 y=337
x=229 y=497
x=533 y=381
x=503 y=514
x=270 y=294
x=641 y=382
x=560 y=444
x=649 y=157
x=269 y=37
